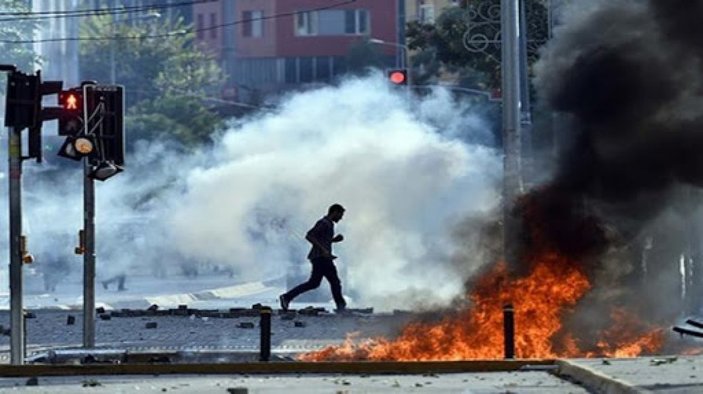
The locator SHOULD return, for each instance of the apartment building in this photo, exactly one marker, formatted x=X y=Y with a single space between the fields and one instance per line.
x=170 y=9
x=269 y=46
x=426 y=11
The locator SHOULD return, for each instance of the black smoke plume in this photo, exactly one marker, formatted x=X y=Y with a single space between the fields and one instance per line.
x=627 y=79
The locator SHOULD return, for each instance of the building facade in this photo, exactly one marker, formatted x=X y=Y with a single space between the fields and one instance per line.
x=171 y=9
x=269 y=46
x=426 y=11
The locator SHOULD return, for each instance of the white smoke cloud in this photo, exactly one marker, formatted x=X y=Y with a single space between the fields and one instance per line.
x=402 y=181
x=405 y=173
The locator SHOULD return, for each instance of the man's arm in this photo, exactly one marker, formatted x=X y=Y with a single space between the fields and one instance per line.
x=311 y=238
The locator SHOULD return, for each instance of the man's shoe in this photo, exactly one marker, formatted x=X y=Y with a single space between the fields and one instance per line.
x=284 y=302
x=342 y=311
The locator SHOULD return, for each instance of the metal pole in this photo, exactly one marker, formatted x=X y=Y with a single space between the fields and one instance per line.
x=524 y=94
x=16 y=309
x=113 y=71
x=265 y=325
x=406 y=64
x=509 y=331
x=88 y=258
x=512 y=184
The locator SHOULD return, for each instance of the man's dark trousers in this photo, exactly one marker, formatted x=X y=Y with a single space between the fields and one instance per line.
x=321 y=267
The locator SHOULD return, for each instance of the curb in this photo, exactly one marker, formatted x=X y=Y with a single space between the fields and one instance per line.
x=364 y=367
x=595 y=380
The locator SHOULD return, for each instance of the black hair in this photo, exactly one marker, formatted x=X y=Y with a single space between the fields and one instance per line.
x=335 y=208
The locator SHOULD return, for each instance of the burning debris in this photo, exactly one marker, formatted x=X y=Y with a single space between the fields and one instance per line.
x=543 y=298
x=633 y=141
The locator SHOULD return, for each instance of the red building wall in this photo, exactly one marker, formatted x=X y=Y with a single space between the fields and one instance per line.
x=279 y=39
x=264 y=46
x=382 y=18
x=203 y=11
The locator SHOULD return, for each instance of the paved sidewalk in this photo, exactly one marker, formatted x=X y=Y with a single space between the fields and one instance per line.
x=662 y=374
x=493 y=382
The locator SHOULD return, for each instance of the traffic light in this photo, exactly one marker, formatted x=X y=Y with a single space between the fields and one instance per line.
x=108 y=101
x=105 y=111
x=78 y=147
x=71 y=117
x=398 y=76
x=23 y=107
x=93 y=123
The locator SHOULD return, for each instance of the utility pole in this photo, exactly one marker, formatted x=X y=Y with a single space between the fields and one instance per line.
x=526 y=154
x=512 y=183
x=15 y=189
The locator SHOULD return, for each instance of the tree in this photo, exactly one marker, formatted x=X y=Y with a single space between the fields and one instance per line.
x=441 y=48
x=166 y=78
x=362 y=56
x=17 y=28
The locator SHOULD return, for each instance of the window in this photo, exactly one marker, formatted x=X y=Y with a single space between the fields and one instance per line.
x=252 y=25
x=309 y=69
x=213 y=23
x=291 y=70
x=306 y=70
x=356 y=22
x=322 y=68
x=200 y=26
x=331 y=22
x=306 y=23
x=426 y=13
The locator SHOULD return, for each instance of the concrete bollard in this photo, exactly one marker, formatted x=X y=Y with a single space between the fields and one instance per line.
x=265 y=325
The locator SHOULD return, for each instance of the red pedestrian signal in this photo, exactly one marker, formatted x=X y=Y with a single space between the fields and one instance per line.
x=70 y=100
x=71 y=116
x=398 y=77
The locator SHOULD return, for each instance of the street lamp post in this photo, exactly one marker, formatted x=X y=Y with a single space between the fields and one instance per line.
x=404 y=59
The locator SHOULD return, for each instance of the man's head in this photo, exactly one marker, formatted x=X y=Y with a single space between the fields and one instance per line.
x=335 y=212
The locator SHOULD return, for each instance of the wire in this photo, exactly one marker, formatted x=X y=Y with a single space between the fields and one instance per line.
x=178 y=32
x=136 y=8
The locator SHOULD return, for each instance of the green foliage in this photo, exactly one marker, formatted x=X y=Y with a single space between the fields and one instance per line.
x=440 y=46
x=181 y=118
x=165 y=78
x=363 y=55
x=13 y=28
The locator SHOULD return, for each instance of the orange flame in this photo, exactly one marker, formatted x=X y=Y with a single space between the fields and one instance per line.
x=541 y=300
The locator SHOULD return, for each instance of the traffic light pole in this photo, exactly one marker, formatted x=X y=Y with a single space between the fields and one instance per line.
x=88 y=257
x=15 y=188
